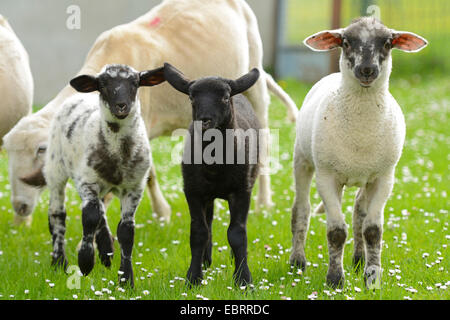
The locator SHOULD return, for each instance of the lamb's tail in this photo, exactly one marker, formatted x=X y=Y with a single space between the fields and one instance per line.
x=283 y=96
x=319 y=209
x=35 y=179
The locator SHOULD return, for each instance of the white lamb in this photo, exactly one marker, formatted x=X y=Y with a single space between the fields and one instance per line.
x=350 y=131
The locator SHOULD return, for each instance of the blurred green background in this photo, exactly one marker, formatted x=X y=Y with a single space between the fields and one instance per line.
x=430 y=19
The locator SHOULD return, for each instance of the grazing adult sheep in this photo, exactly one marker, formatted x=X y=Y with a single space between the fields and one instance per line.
x=350 y=131
x=16 y=81
x=227 y=170
x=145 y=43
x=100 y=142
x=16 y=89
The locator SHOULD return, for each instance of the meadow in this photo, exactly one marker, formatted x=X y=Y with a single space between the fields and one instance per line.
x=415 y=256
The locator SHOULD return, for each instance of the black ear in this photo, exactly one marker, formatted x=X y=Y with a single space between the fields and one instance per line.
x=151 y=77
x=85 y=83
x=176 y=78
x=244 y=83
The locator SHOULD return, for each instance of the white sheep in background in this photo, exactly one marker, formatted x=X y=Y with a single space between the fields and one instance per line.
x=202 y=38
x=350 y=131
x=16 y=87
x=16 y=81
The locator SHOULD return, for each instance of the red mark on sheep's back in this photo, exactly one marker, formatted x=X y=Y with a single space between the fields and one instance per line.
x=155 y=22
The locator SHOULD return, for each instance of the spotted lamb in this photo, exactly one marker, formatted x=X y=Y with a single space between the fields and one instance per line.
x=100 y=142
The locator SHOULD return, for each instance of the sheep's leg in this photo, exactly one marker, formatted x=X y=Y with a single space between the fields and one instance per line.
x=125 y=233
x=159 y=203
x=331 y=193
x=303 y=173
x=372 y=229
x=237 y=236
x=260 y=99
x=91 y=217
x=57 y=224
x=359 y=214
x=198 y=239
x=104 y=239
x=209 y=211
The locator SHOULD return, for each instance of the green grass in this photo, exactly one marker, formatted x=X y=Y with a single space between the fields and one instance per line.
x=416 y=233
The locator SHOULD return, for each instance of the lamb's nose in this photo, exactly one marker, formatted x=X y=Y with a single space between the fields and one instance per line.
x=20 y=208
x=121 y=106
x=206 y=123
x=367 y=71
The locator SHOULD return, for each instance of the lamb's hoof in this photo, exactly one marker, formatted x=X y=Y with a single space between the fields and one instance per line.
x=298 y=261
x=242 y=278
x=193 y=279
x=372 y=277
x=126 y=275
x=106 y=250
x=335 y=279
x=60 y=262
x=86 y=258
x=358 y=263
x=126 y=280
x=207 y=262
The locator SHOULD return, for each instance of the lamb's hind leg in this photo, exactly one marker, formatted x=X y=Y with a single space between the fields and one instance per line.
x=57 y=223
x=209 y=215
x=239 y=204
x=303 y=173
x=372 y=229
x=331 y=193
x=359 y=214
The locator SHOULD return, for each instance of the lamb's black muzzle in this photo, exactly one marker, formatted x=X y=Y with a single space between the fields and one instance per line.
x=366 y=74
x=121 y=110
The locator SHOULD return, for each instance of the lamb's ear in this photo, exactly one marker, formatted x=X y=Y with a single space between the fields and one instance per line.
x=85 y=83
x=151 y=77
x=176 y=78
x=324 y=40
x=408 y=41
x=244 y=83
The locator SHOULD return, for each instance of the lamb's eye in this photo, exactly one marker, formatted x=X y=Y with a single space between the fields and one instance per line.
x=41 y=150
x=345 y=44
x=387 y=45
x=226 y=99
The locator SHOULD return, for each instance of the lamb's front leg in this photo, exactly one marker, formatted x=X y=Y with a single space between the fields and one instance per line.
x=125 y=233
x=331 y=193
x=303 y=173
x=91 y=217
x=198 y=238
x=372 y=229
